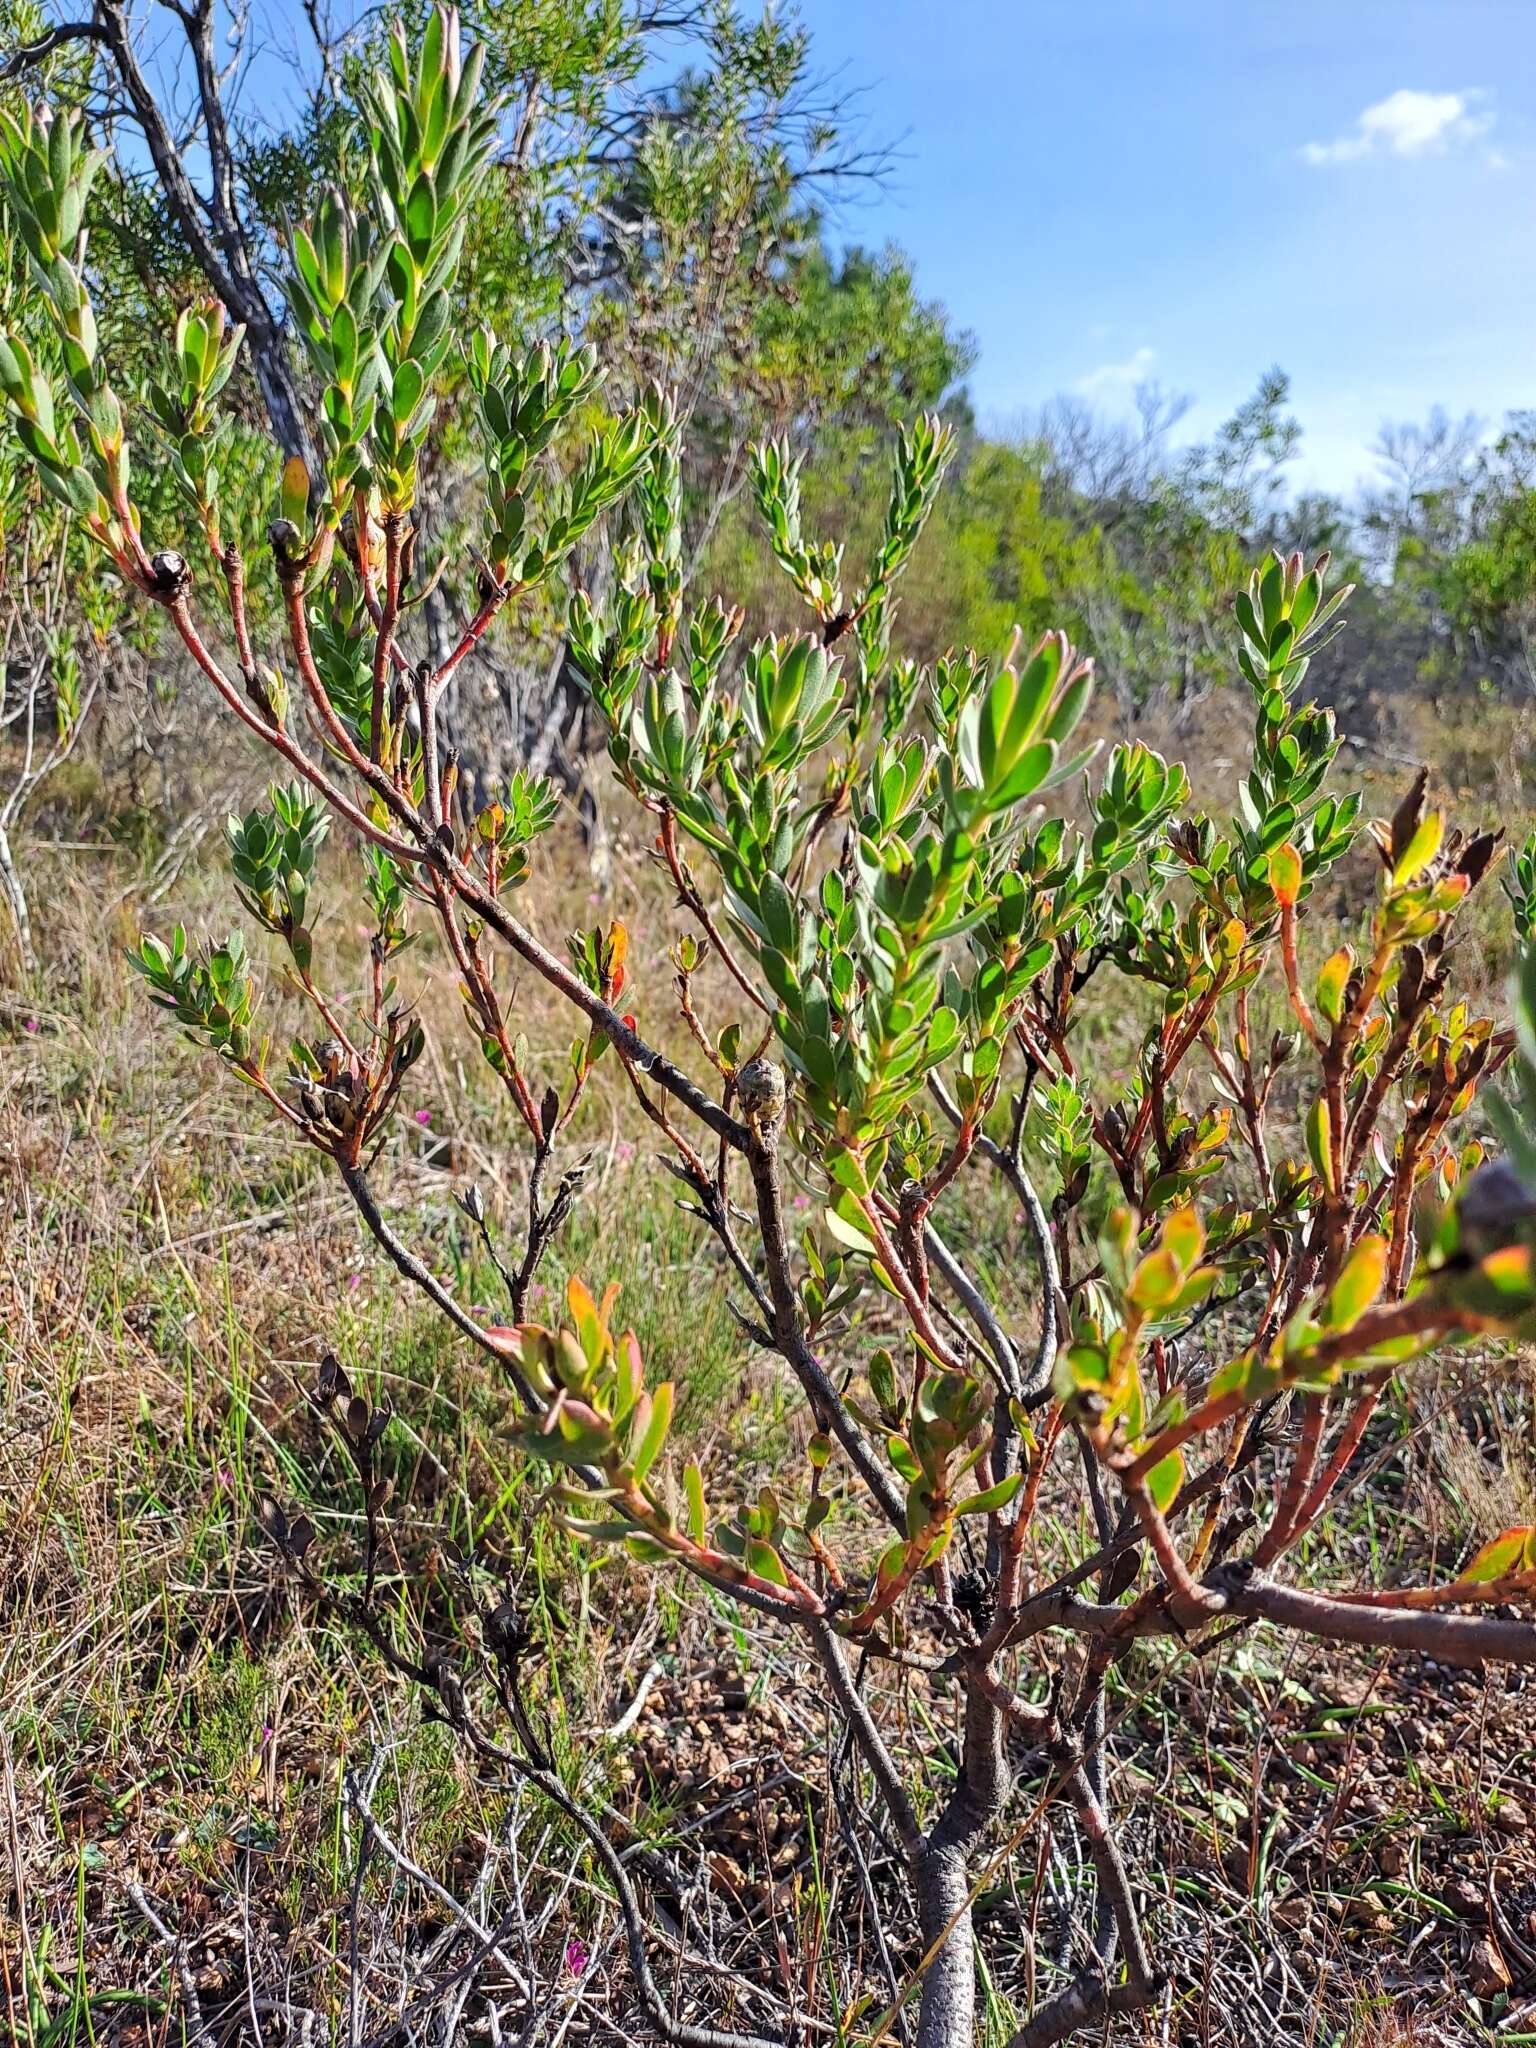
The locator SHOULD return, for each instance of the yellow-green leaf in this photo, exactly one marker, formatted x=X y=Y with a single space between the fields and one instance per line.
x=294 y=492
x=1421 y=849
x=1285 y=874
x=578 y=1299
x=1508 y=1552
x=1156 y=1281
x=1198 y=1287
x=1508 y=1269
x=765 y=1561
x=1333 y=980
x=1357 y=1287
x=1184 y=1237
x=1165 y=1479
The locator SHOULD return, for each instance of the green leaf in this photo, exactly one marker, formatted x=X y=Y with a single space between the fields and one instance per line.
x=649 y=1448
x=344 y=344
x=1074 y=702
x=777 y=909
x=847 y=1232
x=1034 y=694
x=993 y=1497
x=406 y=396
x=421 y=215
x=899 y=1451
x=1025 y=777
x=693 y=1483
x=1319 y=1142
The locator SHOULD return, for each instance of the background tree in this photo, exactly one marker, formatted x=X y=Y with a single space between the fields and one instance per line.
x=654 y=186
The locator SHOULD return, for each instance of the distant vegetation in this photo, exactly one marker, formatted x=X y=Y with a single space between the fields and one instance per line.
x=663 y=190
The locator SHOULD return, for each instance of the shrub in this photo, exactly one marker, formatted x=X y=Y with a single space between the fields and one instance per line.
x=911 y=931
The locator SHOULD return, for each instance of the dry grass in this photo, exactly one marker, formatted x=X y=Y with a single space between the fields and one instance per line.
x=1332 y=1862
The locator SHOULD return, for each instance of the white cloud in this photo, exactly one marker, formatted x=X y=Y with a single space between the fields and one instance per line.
x=1406 y=123
x=1112 y=377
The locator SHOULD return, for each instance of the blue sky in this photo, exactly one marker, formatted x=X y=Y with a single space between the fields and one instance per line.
x=1194 y=189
